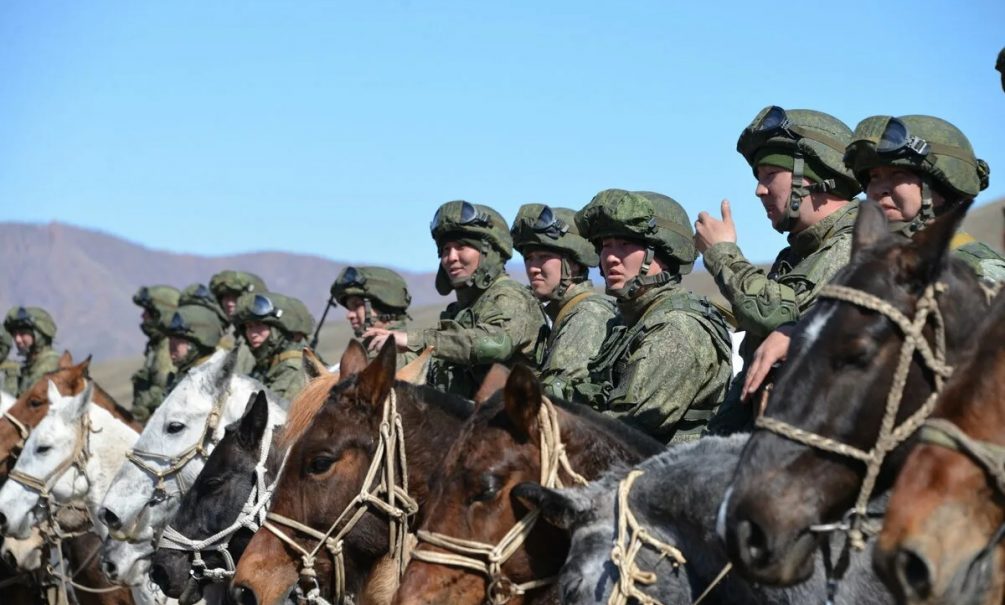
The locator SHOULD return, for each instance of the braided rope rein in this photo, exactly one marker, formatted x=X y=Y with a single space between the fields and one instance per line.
x=890 y=436
x=385 y=488
x=491 y=557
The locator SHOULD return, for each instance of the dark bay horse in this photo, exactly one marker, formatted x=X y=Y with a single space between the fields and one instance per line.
x=941 y=540
x=338 y=433
x=478 y=543
x=836 y=394
x=674 y=497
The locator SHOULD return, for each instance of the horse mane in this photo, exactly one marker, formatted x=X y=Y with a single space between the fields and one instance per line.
x=452 y=404
x=305 y=407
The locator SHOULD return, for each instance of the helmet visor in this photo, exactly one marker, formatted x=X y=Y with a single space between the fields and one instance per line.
x=897 y=140
x=468 y=216
x=178 y=325
x=548 y=224
x=142 y=297
x=775 y=121
x=203 y=293
x=351 y=276
x=262 y=307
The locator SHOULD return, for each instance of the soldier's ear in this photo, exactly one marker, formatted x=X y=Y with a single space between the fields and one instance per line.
x=522 y=400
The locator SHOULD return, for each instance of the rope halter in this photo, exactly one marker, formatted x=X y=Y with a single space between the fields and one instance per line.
x=488 y=559
x=384 y=489
x=251 y=516
x=890 y=436
x=22 y=430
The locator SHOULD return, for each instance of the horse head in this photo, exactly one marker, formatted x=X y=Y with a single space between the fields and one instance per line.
x=851 y=377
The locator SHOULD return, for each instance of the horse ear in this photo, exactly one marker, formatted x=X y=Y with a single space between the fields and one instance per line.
x=522 y=399
x=52 y=392
x=377 y=379
x=416 y=370
x=312 y=366
x=561 y=508
x=65 y=360
x=353 y=359
x=871 y=226
x=493 y=382
x=80 y=402
x=227 y=369
x=923 y=258
x=254 y=420
x=85 y=367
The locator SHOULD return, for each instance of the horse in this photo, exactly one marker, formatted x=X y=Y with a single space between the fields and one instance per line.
x=863 y=370
x=476 y=541
x=165 y=461
x=29 y=409
x=67 y=464
x=941 y=539
x=661 y=515
x=361 y=451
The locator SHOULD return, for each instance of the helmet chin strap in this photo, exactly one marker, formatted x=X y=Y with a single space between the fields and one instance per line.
x=925 y=214
x=643 y=281
x=799 y=191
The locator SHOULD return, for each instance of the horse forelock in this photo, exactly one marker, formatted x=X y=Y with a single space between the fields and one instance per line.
x=305 y=407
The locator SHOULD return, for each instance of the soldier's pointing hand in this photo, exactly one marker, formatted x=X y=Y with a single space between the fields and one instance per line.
x=710 y=231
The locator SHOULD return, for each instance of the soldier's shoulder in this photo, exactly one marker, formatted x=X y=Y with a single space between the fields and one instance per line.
x=506 y=292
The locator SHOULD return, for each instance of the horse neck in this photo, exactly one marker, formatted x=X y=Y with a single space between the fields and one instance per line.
x=108 y=441
x=963 y=309
x=428 y=433
x=591 y=449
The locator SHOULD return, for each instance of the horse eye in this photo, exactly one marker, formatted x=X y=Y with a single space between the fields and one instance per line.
x=35 y=403
x=489 y=489
x=175 y=427
x=214 y=483
x=320 y=465
x=43 y=449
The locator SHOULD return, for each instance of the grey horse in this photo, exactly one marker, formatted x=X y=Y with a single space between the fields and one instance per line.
x=677 y=499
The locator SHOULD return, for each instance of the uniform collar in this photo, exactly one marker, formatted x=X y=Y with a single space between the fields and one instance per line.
x=810 y=239
x=633 y=310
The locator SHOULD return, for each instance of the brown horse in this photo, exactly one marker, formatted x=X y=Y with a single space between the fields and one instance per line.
x=335 y=435
x=473 y=518
x=941 y=541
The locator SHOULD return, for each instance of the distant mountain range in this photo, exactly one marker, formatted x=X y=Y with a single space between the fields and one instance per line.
x=86 y=278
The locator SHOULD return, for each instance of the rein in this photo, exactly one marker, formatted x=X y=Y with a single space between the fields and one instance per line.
x=22 y=430
x=491 y=557
x=385 y=488
x=890 y=436
x=251 y=516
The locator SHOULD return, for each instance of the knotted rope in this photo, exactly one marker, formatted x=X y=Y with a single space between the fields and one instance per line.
x=385 y=488
x=990 y=457
x=488 y=559
x=890 y=436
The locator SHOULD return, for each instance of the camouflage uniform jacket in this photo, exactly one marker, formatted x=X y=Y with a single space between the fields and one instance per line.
x=404 y=358
x=150 y=381
x=985 y=262
x=9 y=373
x=38 y=365
x=667 y=369
x=581 y=321
x=502 y=323
x=283 y=372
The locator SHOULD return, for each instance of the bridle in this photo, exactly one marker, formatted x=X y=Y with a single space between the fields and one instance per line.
x=384 y=489
x=22 y=430
x=488 y=559
x=890 y=436
x=251 y=516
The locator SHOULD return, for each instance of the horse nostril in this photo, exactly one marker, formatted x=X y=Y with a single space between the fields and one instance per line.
x=914 y=573
x=111 y=519
x=10 y=559
x=754 y=549
x=243 y=595
x=110 y=571
x=160 y=576
x=3 y=523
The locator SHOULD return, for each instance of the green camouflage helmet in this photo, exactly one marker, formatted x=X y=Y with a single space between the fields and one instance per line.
x=35 y=319
x=462 y=220
x=235 y=283
x=382 y=287
x=284 y=312
x=199 y=294
x=541 y=226
x=160 y=301
x=927 y=145
x=653 y=218
x=197 y=324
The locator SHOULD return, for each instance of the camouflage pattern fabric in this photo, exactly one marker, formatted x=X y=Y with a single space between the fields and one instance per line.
x=585 y=317
x=403 y=357
x=42 y=361
x=763 y=302
x=9 y=373
x=667 y=369
x=151 y=380
x=501 y=323
x=245 y=358
x=282 y=372
x=985 y=262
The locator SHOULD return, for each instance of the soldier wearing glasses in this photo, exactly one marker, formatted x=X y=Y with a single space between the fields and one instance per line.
x=797 y=159
x=494 y=319
x=194 y=333
x=201 y=295
x=150 y=381
x=374 y=297
x=32 y=330
x=276 y=328
x=557 y=259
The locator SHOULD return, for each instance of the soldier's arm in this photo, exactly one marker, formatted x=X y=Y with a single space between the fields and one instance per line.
x=501 y=330
x=663 y=377
x=286 y=379
x=578 y=340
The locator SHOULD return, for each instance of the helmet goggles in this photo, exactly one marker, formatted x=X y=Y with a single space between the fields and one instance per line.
x=469 y=216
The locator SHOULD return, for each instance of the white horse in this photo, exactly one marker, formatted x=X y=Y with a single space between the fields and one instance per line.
x=6 y=400
x=166 y=460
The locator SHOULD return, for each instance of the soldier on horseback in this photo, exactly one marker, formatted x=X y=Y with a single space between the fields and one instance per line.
x=32 y=329
x=193 y=334
x=226 y=287
x=374 y=297
x=8 y=367
x=150 y=381
x=276 y=328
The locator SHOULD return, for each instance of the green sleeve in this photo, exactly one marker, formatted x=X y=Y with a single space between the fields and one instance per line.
x=579 y=338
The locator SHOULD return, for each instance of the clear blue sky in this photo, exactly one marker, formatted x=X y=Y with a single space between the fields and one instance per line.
x=336 y=128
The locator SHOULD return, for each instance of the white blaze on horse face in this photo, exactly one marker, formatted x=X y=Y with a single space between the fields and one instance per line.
x=720 y=515
x=816 y=325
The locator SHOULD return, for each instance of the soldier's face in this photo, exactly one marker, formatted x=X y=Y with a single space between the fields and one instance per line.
x=229 y=304
x=178 y=348
x=257 y=333
x=544 y=271
x=621 y=260
x=774 y=186
x=897 y=190
x=23 y=340
x=355 y=312
x=459 y=261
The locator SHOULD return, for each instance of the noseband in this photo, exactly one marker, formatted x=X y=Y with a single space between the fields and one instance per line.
x=385 y=489
x=890 y=436
x=488 y=559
